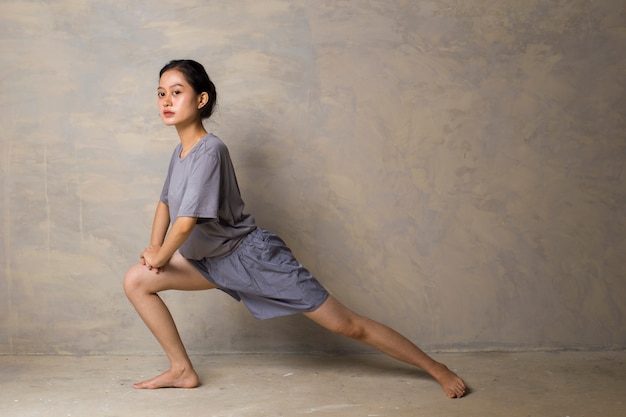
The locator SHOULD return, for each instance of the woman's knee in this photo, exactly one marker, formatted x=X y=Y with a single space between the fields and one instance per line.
x=337 y=318
x=351 y=327
x=133 y=280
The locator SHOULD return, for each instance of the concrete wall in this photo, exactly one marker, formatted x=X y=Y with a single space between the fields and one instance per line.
x=453 y=169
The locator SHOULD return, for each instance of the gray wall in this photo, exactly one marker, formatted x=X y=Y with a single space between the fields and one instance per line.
x=453 y=169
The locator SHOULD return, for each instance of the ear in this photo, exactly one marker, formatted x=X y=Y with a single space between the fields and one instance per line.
x=203 y=99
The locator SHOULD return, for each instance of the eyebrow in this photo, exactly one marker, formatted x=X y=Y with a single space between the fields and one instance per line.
x=171 y=86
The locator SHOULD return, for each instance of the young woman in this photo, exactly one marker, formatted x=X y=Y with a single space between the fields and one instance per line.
x=201 y=239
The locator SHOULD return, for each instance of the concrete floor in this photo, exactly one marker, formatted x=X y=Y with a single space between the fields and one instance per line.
x=574 y=384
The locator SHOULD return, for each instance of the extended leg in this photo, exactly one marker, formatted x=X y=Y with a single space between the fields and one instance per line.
x=142 y=286
x=336 y=317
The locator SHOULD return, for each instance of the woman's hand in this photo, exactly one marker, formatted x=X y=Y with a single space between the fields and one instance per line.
x=149 y=258
x=156 y=256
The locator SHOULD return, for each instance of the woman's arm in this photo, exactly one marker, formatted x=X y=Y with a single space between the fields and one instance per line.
x=158 y=256
x=164 y=244
x=160 y=224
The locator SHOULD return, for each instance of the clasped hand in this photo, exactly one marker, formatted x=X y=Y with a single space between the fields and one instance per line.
x=149 y=259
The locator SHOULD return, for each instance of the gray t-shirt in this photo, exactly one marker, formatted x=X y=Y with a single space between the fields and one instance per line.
x=203 y=185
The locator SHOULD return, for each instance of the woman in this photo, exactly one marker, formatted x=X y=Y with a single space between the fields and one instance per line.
x=201 y=239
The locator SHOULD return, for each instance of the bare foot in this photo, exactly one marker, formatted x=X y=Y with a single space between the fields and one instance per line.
x=452 y=385
x=186 y=378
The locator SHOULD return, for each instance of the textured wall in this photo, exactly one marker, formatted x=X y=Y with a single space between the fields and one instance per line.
x=454 y=169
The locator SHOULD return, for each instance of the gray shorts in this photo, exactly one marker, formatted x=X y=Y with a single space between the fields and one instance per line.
x=264 y=274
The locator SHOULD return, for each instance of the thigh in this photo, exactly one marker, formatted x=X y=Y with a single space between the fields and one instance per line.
x=334 y=316
x=178 y=274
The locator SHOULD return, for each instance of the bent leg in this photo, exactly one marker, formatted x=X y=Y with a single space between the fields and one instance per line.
x=141 y=286
x=339 y=319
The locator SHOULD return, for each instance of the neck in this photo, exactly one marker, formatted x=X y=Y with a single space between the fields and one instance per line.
x=190 y=135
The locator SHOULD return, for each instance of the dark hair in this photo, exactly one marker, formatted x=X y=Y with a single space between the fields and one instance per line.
x=197 y=77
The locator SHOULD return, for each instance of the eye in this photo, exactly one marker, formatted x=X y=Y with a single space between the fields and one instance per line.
x=175 y=92
x=160 y=94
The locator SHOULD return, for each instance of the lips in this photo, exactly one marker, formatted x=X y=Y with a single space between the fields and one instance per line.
x=168 y=113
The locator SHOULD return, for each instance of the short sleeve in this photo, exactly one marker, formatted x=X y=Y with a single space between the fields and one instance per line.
x=166 y=186
x=201 y=195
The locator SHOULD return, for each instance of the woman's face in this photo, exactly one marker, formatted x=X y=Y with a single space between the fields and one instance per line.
x=178 y=103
